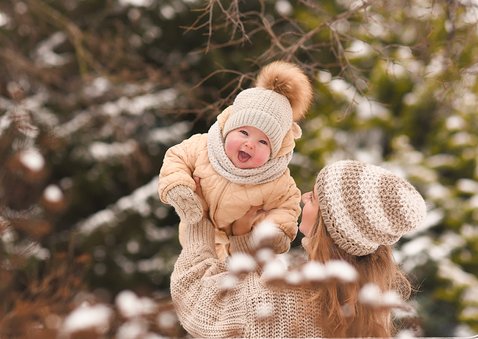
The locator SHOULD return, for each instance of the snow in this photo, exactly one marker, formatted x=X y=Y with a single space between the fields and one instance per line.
x=283 y=7
x=471 y=294
x=359 y=48
x=102 y=151
x=53 y=193
x=134 y=328
x=417 y=246
x=367 y=109
x=449 y=241
x=433 y=218
x=352 y=5
x=451 y=271
x=341 y=270
x=154 y=264
x=136 y=105
x=31 y=249
x=168 y=12
x=46 y=56
x=264 y=255
x=171 y=134
x=5 y=122
x=370 y=294
x=470 y=15
x=80 y=120
x=462 y=139
x=88 y=317
x=4 y=19
x=437 y=192
x=467 y=186
x=396 y=70
x=314 y=271
x=324 y=76
x=274 y=270
x=264 y=311
x=167 y=319
x=404 y=53
x=98 y=87
x=463 y=330
x=391 y=299
x=7 y=235
x=228 y=282
x=103 y=217
x=470 y=312
x=455 y=123
x=469 y=231
x=139 y=104
x=136 y=3
x=32 y=159
x=133 y=246
x=376 y=26
x=136 y=201
x=130 y=305
x=155 y=233
x=294 y=278
x=441 y=160
x=241 y=263
x=264 y=232
x=405 y=334
x=342 y=88
x=333 y=269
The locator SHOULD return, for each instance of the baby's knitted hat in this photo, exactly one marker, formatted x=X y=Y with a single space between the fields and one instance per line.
x=283 y=95
x=365 y=206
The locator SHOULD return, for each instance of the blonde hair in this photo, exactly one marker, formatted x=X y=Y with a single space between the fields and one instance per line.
x=342 y=314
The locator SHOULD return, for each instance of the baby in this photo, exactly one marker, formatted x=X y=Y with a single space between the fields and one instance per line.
x=243 y=159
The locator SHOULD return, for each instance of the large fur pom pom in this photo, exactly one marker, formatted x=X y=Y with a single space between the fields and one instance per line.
x=289 y=80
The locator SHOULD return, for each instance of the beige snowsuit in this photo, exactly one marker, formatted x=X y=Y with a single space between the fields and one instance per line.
x=229 y=201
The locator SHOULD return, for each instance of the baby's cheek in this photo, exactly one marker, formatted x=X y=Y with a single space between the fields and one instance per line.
x=262 y=159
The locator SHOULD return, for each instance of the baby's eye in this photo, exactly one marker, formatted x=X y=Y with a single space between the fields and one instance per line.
x=264 y=142
x=243 y=131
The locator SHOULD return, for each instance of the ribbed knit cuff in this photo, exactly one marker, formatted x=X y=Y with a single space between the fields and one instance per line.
x=200 y=233
x=242 y=243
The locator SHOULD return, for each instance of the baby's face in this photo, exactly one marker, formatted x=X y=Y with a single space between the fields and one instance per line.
x=247 y=147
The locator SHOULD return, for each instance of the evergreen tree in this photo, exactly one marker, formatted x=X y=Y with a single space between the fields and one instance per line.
x=92 y=93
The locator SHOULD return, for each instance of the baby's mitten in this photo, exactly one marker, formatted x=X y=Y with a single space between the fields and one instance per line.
x=186 y=203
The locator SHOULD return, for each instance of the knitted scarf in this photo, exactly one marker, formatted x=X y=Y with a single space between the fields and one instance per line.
x=271 y=170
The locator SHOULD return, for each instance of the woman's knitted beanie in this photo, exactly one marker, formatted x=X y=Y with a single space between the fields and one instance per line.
x=282 y=95
x=365 y=206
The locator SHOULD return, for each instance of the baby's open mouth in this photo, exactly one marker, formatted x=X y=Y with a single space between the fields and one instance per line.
x=243 y=156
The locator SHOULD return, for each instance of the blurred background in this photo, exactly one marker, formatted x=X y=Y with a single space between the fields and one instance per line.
x=92 y=93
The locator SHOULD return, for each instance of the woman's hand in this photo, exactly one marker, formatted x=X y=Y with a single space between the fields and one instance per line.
x=205 y=207
x=244 y=224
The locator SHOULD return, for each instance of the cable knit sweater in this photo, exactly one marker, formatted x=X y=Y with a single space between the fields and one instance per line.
x=205 y=310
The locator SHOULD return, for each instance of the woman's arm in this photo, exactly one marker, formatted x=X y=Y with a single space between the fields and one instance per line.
x=204 y=308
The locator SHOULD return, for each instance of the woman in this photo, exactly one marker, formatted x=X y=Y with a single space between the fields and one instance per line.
x=355 y=213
